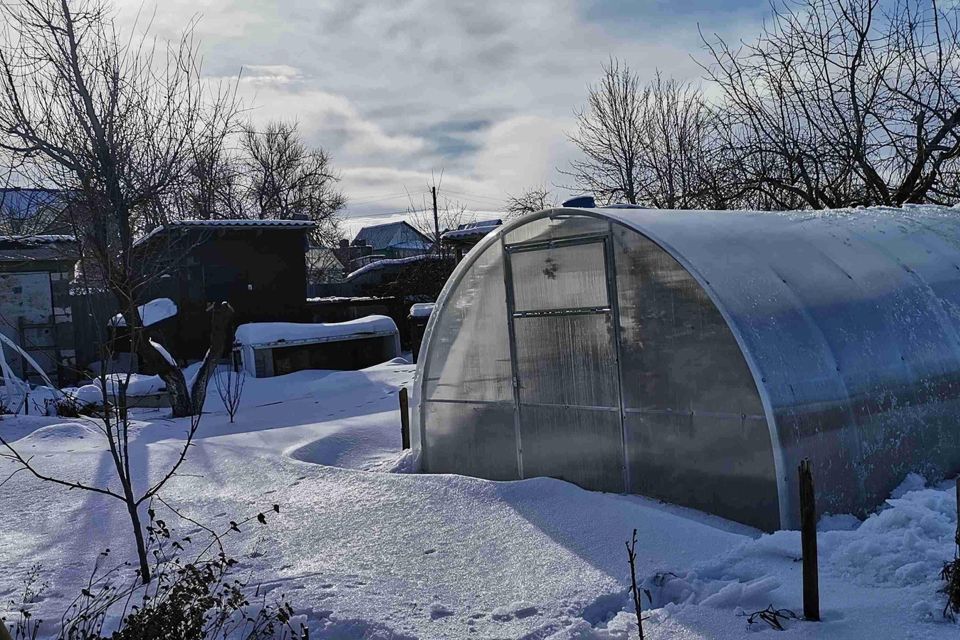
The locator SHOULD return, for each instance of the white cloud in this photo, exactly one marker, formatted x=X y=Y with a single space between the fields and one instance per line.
x=398 y=91
x=523 y=152
x=327 y=119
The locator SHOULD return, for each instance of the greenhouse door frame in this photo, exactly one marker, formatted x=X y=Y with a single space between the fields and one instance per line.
x=611 y=309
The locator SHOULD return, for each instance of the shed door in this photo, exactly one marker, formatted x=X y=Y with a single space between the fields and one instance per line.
x=26 y=317
x=565 y=363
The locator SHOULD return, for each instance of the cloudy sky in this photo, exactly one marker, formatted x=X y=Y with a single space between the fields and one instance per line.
x=400 y=90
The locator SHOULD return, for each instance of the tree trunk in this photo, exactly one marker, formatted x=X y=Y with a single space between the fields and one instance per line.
x=172 y=377
x=137 y=532
x=221 y=338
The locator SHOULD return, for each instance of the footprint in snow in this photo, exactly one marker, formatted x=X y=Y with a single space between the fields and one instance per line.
x=518 y=610
x=438 y=611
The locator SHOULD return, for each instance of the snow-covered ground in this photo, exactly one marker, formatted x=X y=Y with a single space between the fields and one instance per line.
x=364 y=550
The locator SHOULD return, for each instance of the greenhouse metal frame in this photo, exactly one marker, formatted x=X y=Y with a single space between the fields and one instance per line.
x=698 y=357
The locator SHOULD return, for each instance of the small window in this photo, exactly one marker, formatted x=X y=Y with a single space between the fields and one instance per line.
x=565 y=277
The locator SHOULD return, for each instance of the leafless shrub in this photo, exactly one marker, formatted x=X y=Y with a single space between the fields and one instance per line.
x=773 y=617
x=950 y=573
x=230 y=388
x=635 y=592
x=193 y=597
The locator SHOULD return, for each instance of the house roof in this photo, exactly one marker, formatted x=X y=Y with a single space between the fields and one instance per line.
x=37 y=248
x=232 y=224
x=393 y=235
x=32 y=209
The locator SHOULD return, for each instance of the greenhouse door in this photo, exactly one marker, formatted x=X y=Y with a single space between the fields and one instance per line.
x=564 y=350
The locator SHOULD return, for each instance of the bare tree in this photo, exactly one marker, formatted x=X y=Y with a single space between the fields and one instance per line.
x=111 y=419
x=610 y=134
x=658 y=143
x=214 y=186
x=846 y=102
x=679 y=161
x=285 y=178
x=450 y=214
x=530 y=201
x=110 y=120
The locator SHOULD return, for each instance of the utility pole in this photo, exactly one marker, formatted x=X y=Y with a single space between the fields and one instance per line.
x=436 y=218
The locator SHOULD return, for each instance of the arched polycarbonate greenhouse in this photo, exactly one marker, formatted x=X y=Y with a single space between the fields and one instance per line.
x=698 y=357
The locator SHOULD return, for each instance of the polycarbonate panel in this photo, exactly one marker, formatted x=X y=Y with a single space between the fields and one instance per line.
x=677 y=352
x=469 y=354
x=567 y=360
x=565 y=277
x=577 y=445
x=475 y=439
x=850 y=322
x=562 y=224
x=718 y=465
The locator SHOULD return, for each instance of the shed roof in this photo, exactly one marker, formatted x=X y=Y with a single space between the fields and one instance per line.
x=471 y=230
x=232 y=224
x=37 y=248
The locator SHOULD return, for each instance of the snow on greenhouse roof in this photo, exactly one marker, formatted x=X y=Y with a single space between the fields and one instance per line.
x=261 y=334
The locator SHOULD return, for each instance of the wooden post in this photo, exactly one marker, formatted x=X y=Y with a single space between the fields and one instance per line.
x=436 y=218
x=404 y=418
x=808 y=543
x=957 y=539
x=4 y=634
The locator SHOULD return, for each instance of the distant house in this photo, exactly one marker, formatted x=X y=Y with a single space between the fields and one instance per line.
x=35 y=304
x=25 y=212
x=392 y=240
x=258 y=266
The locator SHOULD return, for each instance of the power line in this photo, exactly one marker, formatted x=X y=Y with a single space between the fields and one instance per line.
x=373 y=214
x=384 y=198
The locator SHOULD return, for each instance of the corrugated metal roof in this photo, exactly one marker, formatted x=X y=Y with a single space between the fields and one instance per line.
x=393 y=235
x=269 y=223
x=37 y=248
